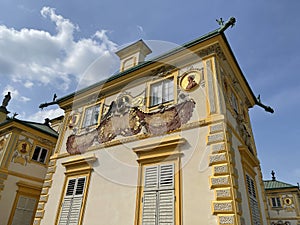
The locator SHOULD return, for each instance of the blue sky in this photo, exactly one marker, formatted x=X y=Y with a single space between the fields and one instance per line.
x=46 y=47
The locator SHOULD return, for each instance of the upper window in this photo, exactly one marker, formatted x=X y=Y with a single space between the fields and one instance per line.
x=276 y=203
x=162 y=91
x=91 y=116
x=40 y=154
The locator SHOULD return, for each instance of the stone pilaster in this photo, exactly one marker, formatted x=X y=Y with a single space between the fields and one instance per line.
x=45 y=192
x=223 y=180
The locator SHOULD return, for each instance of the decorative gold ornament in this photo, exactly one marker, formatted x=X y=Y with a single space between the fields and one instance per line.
x=191 y=80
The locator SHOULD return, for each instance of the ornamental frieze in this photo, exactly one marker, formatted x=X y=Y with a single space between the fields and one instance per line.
x=123 y=120
x=213 y=49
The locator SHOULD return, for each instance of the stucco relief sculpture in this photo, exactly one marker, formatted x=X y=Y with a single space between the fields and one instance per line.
x=125 y=119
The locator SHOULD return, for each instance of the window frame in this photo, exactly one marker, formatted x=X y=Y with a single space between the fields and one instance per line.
x=41 y=149
x=70 y=198
x=277 y=199
x=158 y=153
x=91 y=125
x=163 y=187
x=151 y=106
x=76 y=168
x=25 y=190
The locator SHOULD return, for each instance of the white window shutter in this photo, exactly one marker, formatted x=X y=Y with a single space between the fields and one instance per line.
x=166 y=176
x=151 y=178
x=149 y=208
x=158 y=197
x=64 y=214
x=72 y=203
x=166 y=207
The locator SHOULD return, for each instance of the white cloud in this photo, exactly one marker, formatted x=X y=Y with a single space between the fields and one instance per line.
x=40 y=116
x=28 y=84
x=38 y=57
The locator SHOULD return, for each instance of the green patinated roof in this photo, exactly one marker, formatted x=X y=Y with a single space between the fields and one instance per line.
x=219 y=31
x=42 y=127
x=145 y=63
x=274 y=184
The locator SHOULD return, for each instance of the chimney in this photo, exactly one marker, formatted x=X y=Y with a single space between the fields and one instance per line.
x=133 y=54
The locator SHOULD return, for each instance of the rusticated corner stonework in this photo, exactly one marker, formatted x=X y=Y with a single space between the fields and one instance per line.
x=223 y=179
x=45 y=192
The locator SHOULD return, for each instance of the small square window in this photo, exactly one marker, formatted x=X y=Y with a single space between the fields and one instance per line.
x=276 y=203
x=40 y=154
x=91 y=116
x=162 y=92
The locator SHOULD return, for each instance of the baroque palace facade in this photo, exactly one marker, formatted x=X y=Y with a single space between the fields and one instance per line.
x=165 y=141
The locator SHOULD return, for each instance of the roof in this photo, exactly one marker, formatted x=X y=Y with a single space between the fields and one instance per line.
x=143 y=64
x=214 y=33
x=42 y=127
x=274 y=184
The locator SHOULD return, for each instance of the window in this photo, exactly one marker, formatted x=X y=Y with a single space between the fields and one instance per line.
x=158 y=195
x=39 y=154
x=255 y=214
x=24 y=211
x=162 y=92
x=91 y=115
x=276 y=203
x=25 y=203
x=74 y=194
x=71 y=206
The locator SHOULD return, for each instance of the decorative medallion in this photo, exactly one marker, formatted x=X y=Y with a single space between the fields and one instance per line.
x=21 y=154
x=23 y=147
x=73 y=120
x=191 y=80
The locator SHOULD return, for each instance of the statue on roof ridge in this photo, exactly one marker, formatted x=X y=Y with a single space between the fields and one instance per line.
x=6 y=99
